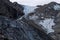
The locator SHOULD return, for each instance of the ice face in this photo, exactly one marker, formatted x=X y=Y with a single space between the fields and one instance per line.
x=57 y=7
x=47 y=24
x=29 y=9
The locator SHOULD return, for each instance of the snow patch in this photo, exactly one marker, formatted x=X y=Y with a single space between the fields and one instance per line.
x=57 y=7
x=29 y=9
x=47 y=24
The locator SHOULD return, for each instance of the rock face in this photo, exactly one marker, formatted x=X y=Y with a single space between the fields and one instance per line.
x=19 y=30
x=51 y=10
x=10 y=10
x=41 y=24
x=43 y=14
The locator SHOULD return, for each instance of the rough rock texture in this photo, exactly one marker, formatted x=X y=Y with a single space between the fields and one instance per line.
x=20 y=30
x=10 y=10
x=54 y=11
x=28 y=27
x=47 y=11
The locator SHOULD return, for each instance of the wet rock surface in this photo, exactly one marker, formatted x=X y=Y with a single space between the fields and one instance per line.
x=41 y=24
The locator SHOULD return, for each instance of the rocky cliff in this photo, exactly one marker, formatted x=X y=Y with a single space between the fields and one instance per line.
x=10 y=10
x=20 y=22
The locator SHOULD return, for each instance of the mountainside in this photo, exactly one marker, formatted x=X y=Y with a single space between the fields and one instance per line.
x=21 y=22
x=48 y=16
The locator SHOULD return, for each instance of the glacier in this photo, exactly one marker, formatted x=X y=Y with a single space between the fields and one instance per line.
x=29 y=9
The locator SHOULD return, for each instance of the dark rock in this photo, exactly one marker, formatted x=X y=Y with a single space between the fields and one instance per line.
x=22 y=31
x=48 y=9
x=51 y=10
x=10 y=10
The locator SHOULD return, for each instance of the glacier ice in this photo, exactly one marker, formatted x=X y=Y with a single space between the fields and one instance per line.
x=28 y=9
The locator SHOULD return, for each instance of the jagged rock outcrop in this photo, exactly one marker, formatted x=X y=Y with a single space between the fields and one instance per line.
x=43 y=14
x=10 y=10
x=53 y=10
x=19 y=30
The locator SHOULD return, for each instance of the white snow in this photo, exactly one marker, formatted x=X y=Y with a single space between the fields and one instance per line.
x=57 y=7
x=29 y=9
x=47 y=24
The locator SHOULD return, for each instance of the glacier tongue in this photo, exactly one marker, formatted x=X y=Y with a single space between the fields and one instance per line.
x=29 y=9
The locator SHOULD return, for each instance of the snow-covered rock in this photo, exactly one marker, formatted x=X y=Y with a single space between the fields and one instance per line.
x=47 y=24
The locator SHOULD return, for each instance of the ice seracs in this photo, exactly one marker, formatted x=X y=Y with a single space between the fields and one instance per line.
x=47 y=25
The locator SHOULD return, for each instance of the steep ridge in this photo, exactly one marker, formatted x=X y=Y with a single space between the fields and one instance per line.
x=10 y=10
x=47 y=16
